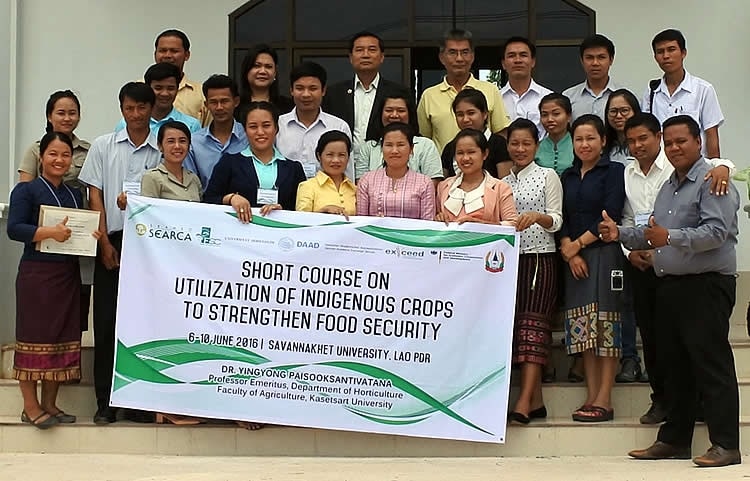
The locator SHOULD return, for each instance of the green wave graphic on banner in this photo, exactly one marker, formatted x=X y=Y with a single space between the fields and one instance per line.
x=434 y=238
x=144 y=362
x=266 y=222
x=139 y=210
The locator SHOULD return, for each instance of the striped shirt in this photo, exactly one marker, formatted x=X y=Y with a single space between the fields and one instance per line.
x=410 y=197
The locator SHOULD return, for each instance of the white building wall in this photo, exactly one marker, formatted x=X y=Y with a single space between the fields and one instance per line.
x=93 y=47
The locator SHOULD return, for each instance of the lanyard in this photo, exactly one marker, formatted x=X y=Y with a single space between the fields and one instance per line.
x=55 y=195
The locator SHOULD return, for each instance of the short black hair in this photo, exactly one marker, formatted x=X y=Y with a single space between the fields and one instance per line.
x=457 y=34
x=474 y=96
x=308 y=69
x=400 y=127
x=669 y=35
x=332 y=136
x=220 y=81
x=692 y=125
x=365 y=33
x=162 y=71
x=52 y=100
x=592 y=120
x=138 y=91
x=172 y=32
x=560 y=100
x=524 y=124
x=519 y=39
x=597 y=41
x=643 y=119
x=173 y=124
x=49 y=137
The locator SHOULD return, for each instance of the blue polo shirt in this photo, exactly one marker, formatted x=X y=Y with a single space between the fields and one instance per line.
x=206 y=150
x=175 y=114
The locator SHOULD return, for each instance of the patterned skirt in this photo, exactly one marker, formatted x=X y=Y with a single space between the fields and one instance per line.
x=48 y=321
x=592 y=308
x=536 y=303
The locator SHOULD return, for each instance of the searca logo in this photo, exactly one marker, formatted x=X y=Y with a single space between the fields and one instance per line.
x=164 y=232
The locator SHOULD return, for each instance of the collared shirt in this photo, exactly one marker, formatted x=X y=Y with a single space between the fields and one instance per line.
x=702 y=226
x=162 y=184
x=557 y=156
x=537 y=189
x=297 y=142
x=30 y=163
x=23 y=218
x=424 y=159
x=174 y=115
x=585 y=101
x=112 y=160
x=190 y=101
x=526 y=105
x=410 y=197
x=694 y=97
x=437 y=120
x=363 y=101
x=584 y=199
x=320 y=191
x=267 y=173
x=206 y=150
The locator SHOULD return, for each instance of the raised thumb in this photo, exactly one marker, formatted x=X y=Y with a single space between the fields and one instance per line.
x=606 y=216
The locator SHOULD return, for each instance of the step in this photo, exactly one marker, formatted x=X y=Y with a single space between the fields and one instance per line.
x=561 y=399
x=553 y=437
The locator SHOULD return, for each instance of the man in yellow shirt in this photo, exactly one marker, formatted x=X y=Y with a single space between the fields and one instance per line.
x=436 y=119
x=173 y=46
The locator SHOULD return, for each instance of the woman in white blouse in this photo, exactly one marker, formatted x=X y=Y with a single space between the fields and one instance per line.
x=538 y=196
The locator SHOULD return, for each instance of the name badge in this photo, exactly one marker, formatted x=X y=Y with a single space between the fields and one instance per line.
x=310 y=170
x=131 y=187
x=641 y=220
x=268 y=196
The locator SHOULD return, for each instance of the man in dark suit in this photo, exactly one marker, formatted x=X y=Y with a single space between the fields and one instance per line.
x=356 y=100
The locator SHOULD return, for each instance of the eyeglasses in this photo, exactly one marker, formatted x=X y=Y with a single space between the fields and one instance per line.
x=624 y=111
x=452 y=53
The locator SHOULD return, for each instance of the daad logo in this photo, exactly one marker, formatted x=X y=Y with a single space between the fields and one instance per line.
x=141 y=229
x=494 y=261
x=206 y=239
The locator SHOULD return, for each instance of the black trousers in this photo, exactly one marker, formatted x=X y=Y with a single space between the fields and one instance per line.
x=692 y=335
x=106 y=283
x=644 y=305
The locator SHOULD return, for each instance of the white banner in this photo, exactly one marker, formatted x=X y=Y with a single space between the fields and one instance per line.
x=377 y=325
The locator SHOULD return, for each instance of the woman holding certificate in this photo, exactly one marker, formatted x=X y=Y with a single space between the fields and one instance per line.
x=48 y=300
x=259 y=176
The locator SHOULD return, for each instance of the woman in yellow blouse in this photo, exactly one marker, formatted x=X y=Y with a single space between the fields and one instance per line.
x=330 y=191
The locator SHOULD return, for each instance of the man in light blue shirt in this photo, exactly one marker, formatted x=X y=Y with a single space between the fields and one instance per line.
x=115 y=163
x=223 y=134
x=164 y=80
x=300 y=129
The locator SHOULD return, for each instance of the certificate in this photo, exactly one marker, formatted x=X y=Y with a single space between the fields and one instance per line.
x=82 y=224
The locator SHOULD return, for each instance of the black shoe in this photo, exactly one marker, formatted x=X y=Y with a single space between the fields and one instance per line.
x=105 y=415
x=644 y=376
x=656 y=414
x=540 y=413
x=137 y=416
x=630 y=371
x=516 y=417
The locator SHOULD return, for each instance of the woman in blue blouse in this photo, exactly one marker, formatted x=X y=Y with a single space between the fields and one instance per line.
x=259 y=176
x=594 y=278
x=48 y=288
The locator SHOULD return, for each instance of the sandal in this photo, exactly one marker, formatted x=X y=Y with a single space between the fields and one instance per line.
x=65 y=418
x=594 y=414
x=46 y=424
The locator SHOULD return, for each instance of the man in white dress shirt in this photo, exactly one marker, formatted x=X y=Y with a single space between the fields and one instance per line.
x=300 y=129
x=521 y=95
x=591 y=95
x=643 y=180
x=678 y=92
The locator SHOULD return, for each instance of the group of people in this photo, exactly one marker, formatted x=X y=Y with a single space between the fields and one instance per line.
x=572 y=171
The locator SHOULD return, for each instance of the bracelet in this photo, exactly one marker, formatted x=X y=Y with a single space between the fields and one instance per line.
x=229 y=200
x=580 y=243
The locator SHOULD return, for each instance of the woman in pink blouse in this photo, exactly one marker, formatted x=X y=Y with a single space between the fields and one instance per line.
x=395 y=190
x=474 y=195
